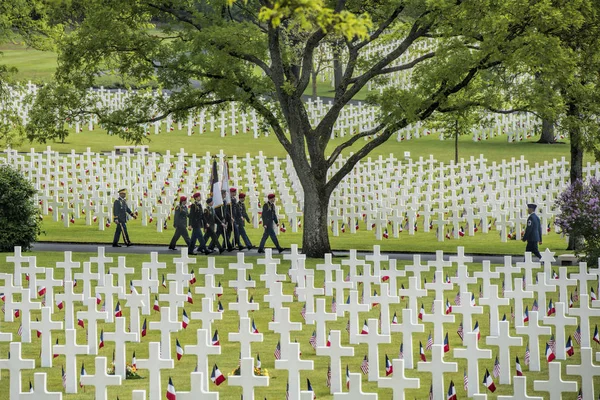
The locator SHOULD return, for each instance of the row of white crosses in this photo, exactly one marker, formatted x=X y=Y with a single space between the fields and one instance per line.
x=387 y=193
x=236 y=120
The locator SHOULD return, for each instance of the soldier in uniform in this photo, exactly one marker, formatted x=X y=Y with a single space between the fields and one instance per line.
x=120 y=211
x=240 y=216
x=269 y=219
x=196 y=219
x=180 y=223
x=533 y=232
x=210 y=220
x=223 y=215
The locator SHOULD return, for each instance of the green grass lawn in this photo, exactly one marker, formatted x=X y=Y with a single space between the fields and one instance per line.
x=228 y=359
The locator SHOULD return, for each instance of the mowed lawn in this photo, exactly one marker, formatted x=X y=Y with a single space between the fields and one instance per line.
x=228 y=360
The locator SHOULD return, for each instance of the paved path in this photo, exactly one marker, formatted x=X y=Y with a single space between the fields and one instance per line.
x=146 y=249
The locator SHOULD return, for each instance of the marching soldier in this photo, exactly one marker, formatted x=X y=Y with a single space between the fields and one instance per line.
x=196 y=219
x=210 y=220
x=269 y=219
x=120 y=211
x=180 y=223
x=239 y=217
x=223 y=215
x=533 y=232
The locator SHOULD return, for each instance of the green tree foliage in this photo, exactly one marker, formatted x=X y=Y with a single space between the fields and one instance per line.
x=20 y=220
x=261 y=54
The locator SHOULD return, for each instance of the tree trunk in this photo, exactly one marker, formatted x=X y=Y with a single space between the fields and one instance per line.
x=575 y=242
x=456 y=141
x=547 y=132
x=315 y=236
x=314 y=77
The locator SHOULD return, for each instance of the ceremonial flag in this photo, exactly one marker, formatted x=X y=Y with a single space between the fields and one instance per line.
x=364 y=366
x=98 y=298
x=465 y=380
x=101 y=345
x=118 y=312
x=171 y=394
x=580 y=395
x=185 y=320
x=313 y=340
x=20 y=330
x=569 y=347
x=30 y=387
x=401 y=352
x=489 y=382
x=421 y=312
x=596 y=337
x=189 y=297
x=277 y=352
x=394 y=319
x=219 y=294
x=571 y=301
x=448 y=307
x=103 y=308
x=575 y=295
x=422 y=352
x=328 y=380
x=549 y=354
x=144 y=328
x=131 y=287
x=389 y=369
x=215 y=187
x=577 y=335
x=554 y=274
x=375 y=295
x=460 y=331
x=446 y=344
x=451 y=391
x=429 y=344
x=134 y=361
x=365 y=329
x=347 y=377
x=526 y=315
x=527 y=354
x=496 y=370
x=215 y=339
x=518 y=367
x=254 y=329
x=179 y=350
x=402 y=288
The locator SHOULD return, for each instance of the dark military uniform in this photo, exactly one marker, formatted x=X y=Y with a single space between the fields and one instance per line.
x=223 y=216
x=533 y=234
x=180 y=224
x=239 y=217
x=120 y=212
x=210 y=220
x=197 y=223
x=269 y=219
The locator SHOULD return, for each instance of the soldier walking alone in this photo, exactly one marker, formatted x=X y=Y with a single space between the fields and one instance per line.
x=533 y=232
x=269 y=219
x=120 y=211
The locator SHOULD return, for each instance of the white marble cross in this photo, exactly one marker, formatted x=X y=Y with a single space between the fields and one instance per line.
x=473 y=354
x=25 y=306
x=555 y=386
x=385 y=298
x=587 y=371
x=241 y=267
x=283 y=326
x=463 y=279
x=520 y=391
x=70 y=349
x=46 y=326
x=504 y=341
x=49 y=283
x=407 y=328
x=86 y=277
x=541 y=288
x=166 y=325
x=243 y=305
x=202 y=349
x=108 y=290
x=17 y=259
x=271 y=276
x=439 y=263
x=355 y=391
x=486 y=275
x=293 y=364
x=373 y=339
x=69 y=297
x=245 y=337
x=414 y=293
x=181 y=277
x=398 y=382
x=101 y=260
x=437 y=367
x=33 y=270
x=207 y=315
x=376 y=258
x=438 y=286
x=563 y=282
x=585 y=312
x=68 y=265
x=583 y=276
x=493 y=302
x=15 y=365
x=534 y=330
x=339 y=285
x=354 y=308
x=39 y=389
x=393 y=273
x=101 y=380
x=320 y=318
x=335 y=352
x=209 y=289
x=121 y=271
x=518 y=294
x=508 y=270
x=135 y=302
x=153 y=266
x=154 y=364
x=147 y=285
x=560 y=321
x=175 y=297
x=92 y=315
x=352 y=262
x=198 y=389
x=467 y=310
x=247 y=380
x=120 y=336
x=276 y=298
x=438 y=318
x=329 y=267
x=529 y=266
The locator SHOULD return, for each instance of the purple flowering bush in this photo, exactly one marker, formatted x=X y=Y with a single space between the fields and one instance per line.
x=579 y=216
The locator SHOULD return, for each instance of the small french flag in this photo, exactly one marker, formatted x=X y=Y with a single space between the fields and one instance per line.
x=185 y=320
x=216 y=376
x=179 y=350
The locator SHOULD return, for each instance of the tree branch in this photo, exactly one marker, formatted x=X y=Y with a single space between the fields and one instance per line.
x=307 y=59
x=338 y=150
x=180 y=15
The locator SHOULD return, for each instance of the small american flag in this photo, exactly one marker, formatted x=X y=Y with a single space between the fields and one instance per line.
x=457 y=299
x=401 y=353
x=431 y=392
x=552 y=343
x=433 y=307
x=575 y=295
x=465 y=380
x=512 y=314
x=429 y=344
x=535 y=307
x=20 y=331
x=348 y=326
x=303 y=312
x=580 y=395
x=313 y=340
x=577 y=335
x=328 y=381
x=277 y=352
x=333 y=305
x=496 y=371
x=527 y=355
x=460 y=330
x=64 y=378
x=364 y=366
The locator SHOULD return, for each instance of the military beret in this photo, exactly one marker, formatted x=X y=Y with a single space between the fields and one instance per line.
x=209 y=200
x=242 y=195
x=271 y=196
x=197 y=194
x=182 y=198
x=532 y=206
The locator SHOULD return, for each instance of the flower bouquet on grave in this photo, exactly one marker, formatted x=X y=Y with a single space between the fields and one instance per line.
x=131 y=372
x=257 y=372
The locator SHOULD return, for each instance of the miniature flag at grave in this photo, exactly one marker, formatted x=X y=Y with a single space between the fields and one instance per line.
x=448 y=307
x=596 y=337
x=20 y=330
x=17 y=313
x=277 y=352
x=333 y=305
x=193 y=279
x=254 y=328
x=216 y=376
x=549 y=354
x=343 y=229
x=375 y=295
x=103 y=308
x=451 y=391
x=551 y=309
x=365 y=328
x=389 y=369
x=39 y=333
x=98 y=298
x=527 y=354
x=429 y=344
x=313 y=340
x=465 y=380
x=185 y=320
x=476 y=330
x=364 y=366
x=41 y=291
x=220 y=307
x=189 y=297
x=569 y=347
x=571 y=301
x=526 y=314
x=258 y=363
x=219 y=294
x=80 y=322
x=64 y=377
x=489 y=382
x=446 y=344
x=431 y=392
x=347 y=377
x=457 y=299
x=518 y=367
x=473 y=304
x=30 y=387
x=310 y=389
x=504 y=317
x=215 y=339
x=459 y=331
x=171 y=393
x=577 y=335
x=179 y=349
x=575 y=295
x=401 y=352
x=421 y=312
x=554 y=274
x=83 y=373
x=59 y=304
x=328 y=379
x=55 y=355
x=131 y=287
x=303 y=311
x=164 y=282
x=496 y=370
x=422 y=352
x=144 y=331
x=328 y=344
x=552 y=343
x=394 y=319
x=118 y=312
x=593 y=294
x=402 y=287
x=580 y=394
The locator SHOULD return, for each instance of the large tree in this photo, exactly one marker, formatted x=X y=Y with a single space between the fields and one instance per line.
x=261 y=53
